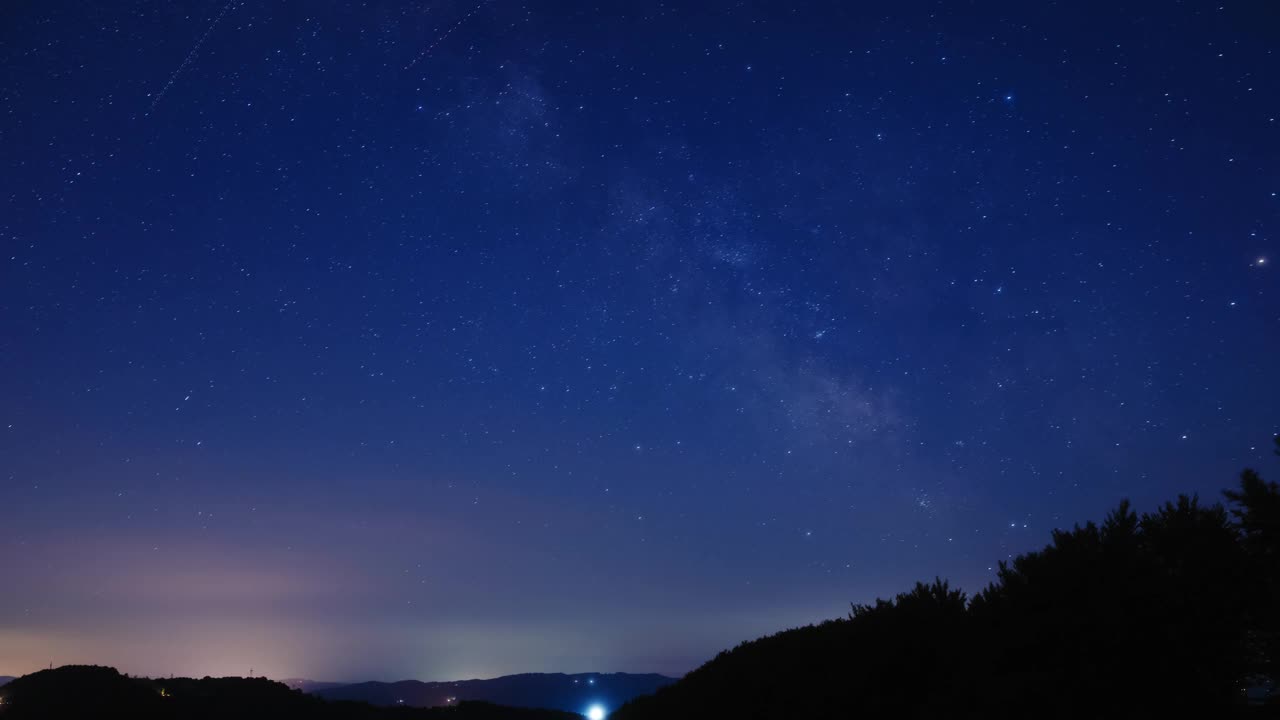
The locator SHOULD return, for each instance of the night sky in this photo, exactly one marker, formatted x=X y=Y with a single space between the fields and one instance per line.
x=440 y=339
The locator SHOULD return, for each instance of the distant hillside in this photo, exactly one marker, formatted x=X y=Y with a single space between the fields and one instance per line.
x=572 y=693
x=4 y=679
x=311 y=686
x=84 y=691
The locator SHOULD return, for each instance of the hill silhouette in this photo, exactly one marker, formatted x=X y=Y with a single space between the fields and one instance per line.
x=310 y=686
x=82 y=691
x=541 y=690
x=1168 y=614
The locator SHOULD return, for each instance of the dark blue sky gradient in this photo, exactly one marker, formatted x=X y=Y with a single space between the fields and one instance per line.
x=434 y=339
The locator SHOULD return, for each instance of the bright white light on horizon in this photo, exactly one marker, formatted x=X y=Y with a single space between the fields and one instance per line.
x=595 y=712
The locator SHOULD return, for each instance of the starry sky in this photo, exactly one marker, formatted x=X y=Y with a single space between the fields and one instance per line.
x=387 y=339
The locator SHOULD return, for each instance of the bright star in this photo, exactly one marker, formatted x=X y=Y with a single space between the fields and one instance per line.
x=595 y=712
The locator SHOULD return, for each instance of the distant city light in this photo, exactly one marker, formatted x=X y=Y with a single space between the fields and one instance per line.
x=595 y=712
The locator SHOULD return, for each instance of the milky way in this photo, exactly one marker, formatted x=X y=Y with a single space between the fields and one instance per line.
x=603 y=338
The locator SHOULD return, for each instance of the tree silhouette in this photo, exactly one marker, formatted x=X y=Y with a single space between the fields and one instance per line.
x=1164 y=614
x=1257 y=513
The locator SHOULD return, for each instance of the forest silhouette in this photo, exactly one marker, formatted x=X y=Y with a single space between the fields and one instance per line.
x=1171 y=613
